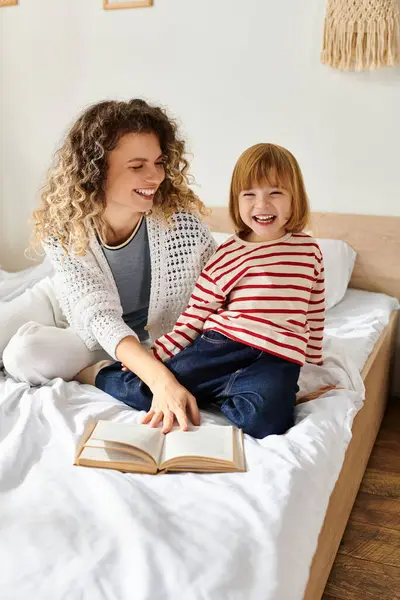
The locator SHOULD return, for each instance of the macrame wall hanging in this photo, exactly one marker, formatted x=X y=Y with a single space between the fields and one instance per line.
x=361 y=34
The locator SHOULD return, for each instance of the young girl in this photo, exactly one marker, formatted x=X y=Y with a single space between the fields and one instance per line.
x=256 y=313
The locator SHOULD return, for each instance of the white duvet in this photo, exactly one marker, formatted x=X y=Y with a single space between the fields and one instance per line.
x=72 y=533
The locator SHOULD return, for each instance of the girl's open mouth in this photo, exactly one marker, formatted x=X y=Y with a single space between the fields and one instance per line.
x=264 y=219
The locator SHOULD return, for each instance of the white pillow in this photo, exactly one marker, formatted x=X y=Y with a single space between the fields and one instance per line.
x=339 y=259
x=220 y=237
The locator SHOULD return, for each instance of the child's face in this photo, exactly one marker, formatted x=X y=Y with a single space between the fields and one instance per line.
x=135 y=172
x=265 y=210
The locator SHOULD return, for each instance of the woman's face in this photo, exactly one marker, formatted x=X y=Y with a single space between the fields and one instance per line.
x=135 y=172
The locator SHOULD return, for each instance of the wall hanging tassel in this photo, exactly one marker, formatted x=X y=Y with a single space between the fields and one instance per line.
x=361 y=34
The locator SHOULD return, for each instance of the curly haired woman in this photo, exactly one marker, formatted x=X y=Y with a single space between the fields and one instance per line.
x=122 y=229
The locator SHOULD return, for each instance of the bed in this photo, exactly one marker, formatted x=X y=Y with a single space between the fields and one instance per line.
x=74 y=534
x=377 y=242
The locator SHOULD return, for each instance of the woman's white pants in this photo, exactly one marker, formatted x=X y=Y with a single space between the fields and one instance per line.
x=36 y=342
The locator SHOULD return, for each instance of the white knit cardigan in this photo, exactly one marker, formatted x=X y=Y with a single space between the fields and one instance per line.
x=88 y=295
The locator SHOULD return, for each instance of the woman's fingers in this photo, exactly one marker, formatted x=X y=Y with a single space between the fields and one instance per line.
x=181 y=417
x=168 y=421
x=193 y=410
x=157 y=418
x=175 y=404
x=148 y=417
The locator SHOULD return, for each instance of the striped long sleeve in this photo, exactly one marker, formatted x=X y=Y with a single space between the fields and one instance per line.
x=206 y=299
x=267 y=295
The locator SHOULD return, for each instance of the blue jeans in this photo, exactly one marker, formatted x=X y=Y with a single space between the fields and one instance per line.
x=255 y=390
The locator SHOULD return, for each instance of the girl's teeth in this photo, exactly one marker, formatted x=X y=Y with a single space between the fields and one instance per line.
x=265 y=219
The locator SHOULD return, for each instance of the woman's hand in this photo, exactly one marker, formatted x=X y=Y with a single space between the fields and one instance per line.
x=171 y=400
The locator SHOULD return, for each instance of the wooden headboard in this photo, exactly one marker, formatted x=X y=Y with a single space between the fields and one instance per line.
x=375 y=239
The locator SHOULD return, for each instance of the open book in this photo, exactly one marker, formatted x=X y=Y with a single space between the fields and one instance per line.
x=142 y=449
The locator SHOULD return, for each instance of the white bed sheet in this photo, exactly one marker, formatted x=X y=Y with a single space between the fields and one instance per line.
x=357 y=322
x=69 y=533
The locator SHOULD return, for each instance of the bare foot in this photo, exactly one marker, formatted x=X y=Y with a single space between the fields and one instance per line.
x=317 y=393
x=89 y=374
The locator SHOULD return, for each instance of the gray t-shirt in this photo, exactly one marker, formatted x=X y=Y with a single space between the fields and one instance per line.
x=131 y=267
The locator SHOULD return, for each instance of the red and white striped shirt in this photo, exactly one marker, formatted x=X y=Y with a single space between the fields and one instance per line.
x=269 y=295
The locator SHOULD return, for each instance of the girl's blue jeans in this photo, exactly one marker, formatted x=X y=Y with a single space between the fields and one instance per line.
x=255 y=390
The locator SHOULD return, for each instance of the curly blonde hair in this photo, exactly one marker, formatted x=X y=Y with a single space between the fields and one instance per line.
x=73 y=200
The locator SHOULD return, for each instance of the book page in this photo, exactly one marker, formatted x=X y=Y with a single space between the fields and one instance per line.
x=238 y=450
x=208 y=441
x=132 y=453
x=148 y=439
x=107 y=455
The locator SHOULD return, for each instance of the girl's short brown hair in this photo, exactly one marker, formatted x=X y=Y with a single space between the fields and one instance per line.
x=272 y=164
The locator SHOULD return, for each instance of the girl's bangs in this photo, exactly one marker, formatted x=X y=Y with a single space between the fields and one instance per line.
x=266 y=171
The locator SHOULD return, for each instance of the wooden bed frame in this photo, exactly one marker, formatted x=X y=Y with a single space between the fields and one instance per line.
x=377 y=242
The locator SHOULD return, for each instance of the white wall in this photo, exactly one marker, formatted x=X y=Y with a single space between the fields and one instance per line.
x=235 y=71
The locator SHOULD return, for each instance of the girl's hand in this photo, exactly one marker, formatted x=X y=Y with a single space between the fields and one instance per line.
x=171 y=400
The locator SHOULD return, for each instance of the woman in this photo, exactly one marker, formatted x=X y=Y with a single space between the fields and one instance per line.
x=121 y=228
